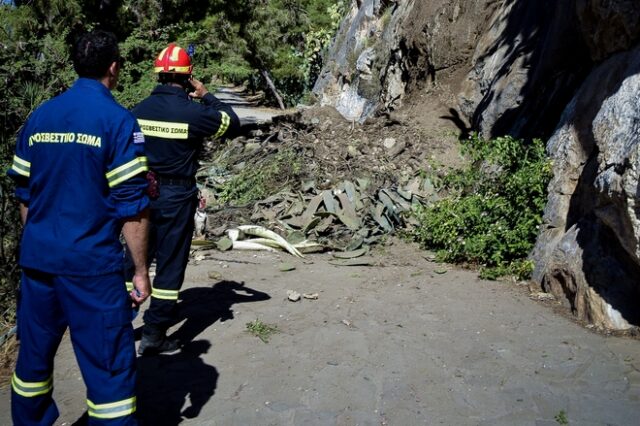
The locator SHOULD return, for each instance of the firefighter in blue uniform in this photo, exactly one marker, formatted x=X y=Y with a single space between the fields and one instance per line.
x=80 y=179
x=175 y=127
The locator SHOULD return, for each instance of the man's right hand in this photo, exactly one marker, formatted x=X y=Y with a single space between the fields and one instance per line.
x=141 y=288
x=199 y=89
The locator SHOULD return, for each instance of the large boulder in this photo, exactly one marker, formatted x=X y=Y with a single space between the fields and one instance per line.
x=588 y=252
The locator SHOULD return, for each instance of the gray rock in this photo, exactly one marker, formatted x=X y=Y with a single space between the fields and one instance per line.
x=385 y=48
x=588 y=252
x=394 y=147
x=609 y=26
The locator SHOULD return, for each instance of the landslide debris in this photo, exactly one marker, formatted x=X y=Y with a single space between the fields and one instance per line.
x=315 y=177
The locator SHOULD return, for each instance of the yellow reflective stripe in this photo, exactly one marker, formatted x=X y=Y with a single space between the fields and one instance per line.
x=159 y=293
x=31 y=389
x=112 y=410
x=127 y=171
x=21 y=166
x=164 y=129
x=129 y=285
x=225 y=120
x=172 y=69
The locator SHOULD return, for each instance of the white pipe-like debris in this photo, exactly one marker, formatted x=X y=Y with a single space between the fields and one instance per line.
x=259 y=231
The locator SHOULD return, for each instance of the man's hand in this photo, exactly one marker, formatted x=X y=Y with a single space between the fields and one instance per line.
x=199 y=90
x=141 y=288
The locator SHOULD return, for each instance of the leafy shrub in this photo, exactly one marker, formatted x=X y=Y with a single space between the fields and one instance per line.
x=493 y=209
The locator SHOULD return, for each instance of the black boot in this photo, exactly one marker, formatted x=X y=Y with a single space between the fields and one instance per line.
x=154 y=341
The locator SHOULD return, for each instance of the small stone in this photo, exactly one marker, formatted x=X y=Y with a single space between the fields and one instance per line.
x=214 y=275
x=389 y=143
x=393 y=147
x=286 y=267
x=311 y=296
x=293 y=295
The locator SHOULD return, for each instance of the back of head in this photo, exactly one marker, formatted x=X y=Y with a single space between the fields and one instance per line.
x=94 y=53
x=174 y=78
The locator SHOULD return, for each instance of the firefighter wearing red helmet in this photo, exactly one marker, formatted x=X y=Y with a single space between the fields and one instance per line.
x=174 y=127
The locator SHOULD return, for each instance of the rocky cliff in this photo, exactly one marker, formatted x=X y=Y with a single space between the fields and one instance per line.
x=566 y=71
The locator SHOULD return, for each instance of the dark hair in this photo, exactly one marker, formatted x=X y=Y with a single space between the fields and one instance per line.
x=171 y=77
x=94 y=53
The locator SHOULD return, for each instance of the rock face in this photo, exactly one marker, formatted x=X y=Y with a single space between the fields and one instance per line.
x=385 y=48
x=564 y=70
x=588 y=252
x=525 y=69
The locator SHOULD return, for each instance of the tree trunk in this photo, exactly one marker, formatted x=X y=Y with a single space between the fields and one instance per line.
x=272 y=86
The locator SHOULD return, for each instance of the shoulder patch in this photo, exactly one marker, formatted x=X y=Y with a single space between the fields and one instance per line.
x=138 y=137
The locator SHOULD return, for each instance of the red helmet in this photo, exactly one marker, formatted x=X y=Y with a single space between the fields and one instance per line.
x=173 y=59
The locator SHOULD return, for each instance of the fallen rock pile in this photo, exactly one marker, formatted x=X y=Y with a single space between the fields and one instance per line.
x=356 y=183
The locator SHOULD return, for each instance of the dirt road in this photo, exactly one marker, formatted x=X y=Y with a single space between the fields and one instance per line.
x=405 y=342
x=247 y=113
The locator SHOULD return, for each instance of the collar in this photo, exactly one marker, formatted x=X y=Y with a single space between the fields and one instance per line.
x=165 y=89
x=92 y=84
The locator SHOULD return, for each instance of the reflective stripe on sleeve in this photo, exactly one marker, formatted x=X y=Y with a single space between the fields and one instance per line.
x=21 y=166
x=126 y=171
x=129 y=285
x=225 y=121
x=31 y=389
x=159 y=293
x=112 y=410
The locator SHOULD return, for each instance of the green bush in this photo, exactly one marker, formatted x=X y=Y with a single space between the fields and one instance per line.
x=493 y=209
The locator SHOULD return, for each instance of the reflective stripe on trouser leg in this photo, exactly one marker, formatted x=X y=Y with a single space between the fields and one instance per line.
x=172 y=225
x=112 y=410
x=41 y=325
x=31 y=389
x=159 y=293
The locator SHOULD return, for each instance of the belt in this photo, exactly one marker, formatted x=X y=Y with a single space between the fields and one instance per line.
x=176 y=181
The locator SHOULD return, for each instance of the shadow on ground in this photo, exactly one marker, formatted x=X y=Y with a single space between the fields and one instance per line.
x=175 y=387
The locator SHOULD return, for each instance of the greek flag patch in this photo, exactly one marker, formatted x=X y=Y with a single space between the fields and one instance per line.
x=138 y=137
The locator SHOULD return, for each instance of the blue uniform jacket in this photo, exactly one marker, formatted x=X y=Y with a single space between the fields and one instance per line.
x=175 y=127
x=79 y=167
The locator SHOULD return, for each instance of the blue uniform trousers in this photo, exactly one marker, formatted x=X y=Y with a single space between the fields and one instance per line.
x=97 y=311
x=170 y=237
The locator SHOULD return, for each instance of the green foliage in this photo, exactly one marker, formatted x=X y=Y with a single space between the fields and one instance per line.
x=561 y=418
x=493 y=209
x=34 y=66
x=261 y=330
x=255 y=183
